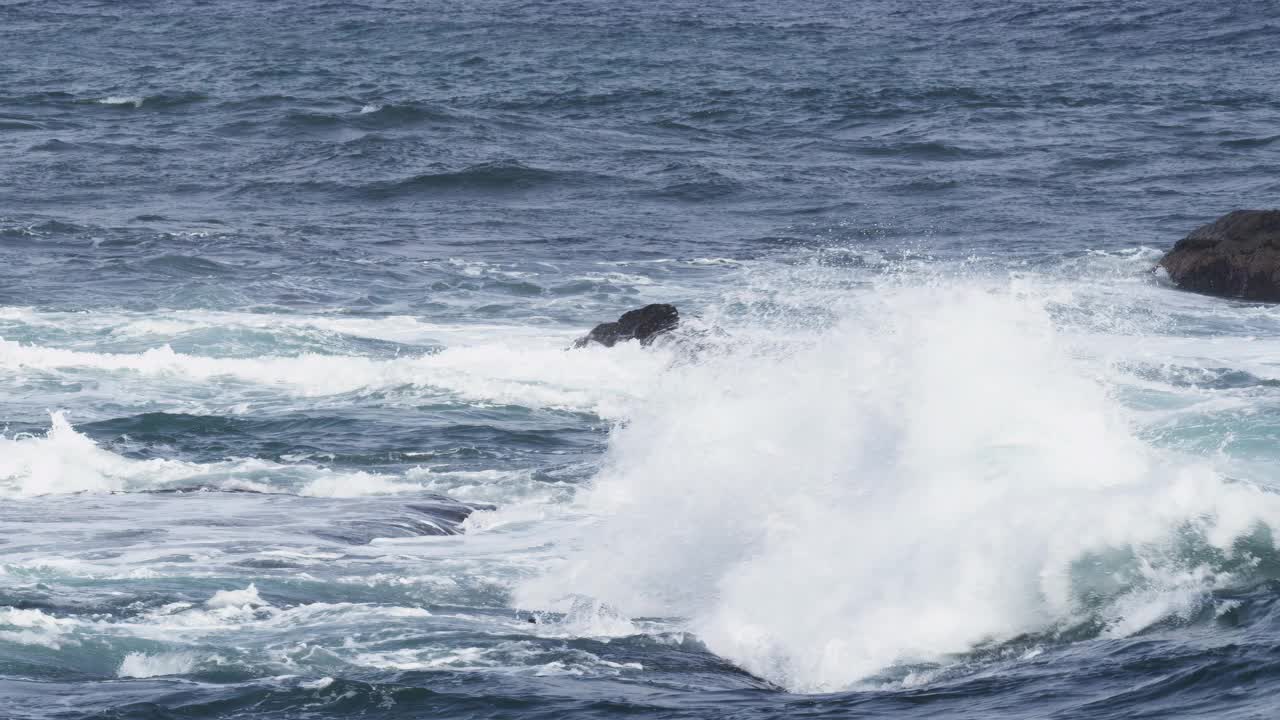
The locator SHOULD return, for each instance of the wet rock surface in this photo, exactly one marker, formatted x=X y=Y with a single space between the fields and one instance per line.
x=1236 y=256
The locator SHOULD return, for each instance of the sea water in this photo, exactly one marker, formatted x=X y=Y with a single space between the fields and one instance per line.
x=291 y=429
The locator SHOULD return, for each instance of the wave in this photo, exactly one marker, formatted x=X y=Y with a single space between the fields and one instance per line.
x=46 y=228
x=10 y=123
x=490 y=177
x=145 y=665
x=182 y=637
x=392 y=115
x=54 y=145
x=369 y=116
x=928 y=150
x=64 y=461
x=537 y=375
x=151 y=325
x=484 y=178
x=937 y=470
x=183 y=266
x=134 y=100
x=693 y=182
x=1250 y=142
x=159 y=100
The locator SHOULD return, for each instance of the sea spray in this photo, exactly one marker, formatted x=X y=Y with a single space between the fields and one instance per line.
x=921 y=478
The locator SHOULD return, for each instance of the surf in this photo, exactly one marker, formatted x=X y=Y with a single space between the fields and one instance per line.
x=942 y=465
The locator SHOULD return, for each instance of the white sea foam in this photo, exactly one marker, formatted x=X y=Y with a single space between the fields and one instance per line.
x=923 y=469
x=512 y=657
x=64 y=461
x=244 y=611
x=358 y=484
x=35 y=627
x=924 y=476
x=239 y=611
x=134 y=100
x=248 y=597
x=532 y=374
x=144 y=665
x=170 y=323
x=714 y=261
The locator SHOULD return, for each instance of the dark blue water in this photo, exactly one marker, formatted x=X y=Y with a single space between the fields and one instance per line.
x=291 y=431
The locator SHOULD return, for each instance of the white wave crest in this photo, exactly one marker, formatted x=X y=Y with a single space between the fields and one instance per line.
x=134 y=100
x=530 y=374
x=34 y=627
x=64 y=461
x=247 y=597
x=919 y=479
x=143 y=665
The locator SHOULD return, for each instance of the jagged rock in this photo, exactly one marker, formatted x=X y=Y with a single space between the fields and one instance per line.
x=1237 y=255
x=643 y=324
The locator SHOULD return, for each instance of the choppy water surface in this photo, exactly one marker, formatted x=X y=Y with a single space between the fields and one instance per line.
x=291 y=430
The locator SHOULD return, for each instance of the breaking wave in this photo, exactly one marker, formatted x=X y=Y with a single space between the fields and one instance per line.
x=63 y=461
x=941 y=468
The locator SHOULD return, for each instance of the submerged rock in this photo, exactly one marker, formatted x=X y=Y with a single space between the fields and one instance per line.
x=1237 y=255
x=643 y=324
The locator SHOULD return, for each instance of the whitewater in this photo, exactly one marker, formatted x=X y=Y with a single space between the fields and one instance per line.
x=861 y=479
x=292 y=426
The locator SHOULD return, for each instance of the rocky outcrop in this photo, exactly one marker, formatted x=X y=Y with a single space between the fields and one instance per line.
x=1237 y=256
x=643 y=324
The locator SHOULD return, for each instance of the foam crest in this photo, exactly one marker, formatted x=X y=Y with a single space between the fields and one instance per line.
x=134 y=100
x=34 y=627
x=531 y=373
x=510 y=657
x=144 y=665
x=63 y=461
x=247 y=597
x=189 y=622
x=172 y=323
x=930 y=474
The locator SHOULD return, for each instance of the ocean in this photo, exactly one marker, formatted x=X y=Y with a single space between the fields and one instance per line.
x=292 y=429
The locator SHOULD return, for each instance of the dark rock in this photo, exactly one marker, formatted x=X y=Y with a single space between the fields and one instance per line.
x=1237 y=255
x=644 y=325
